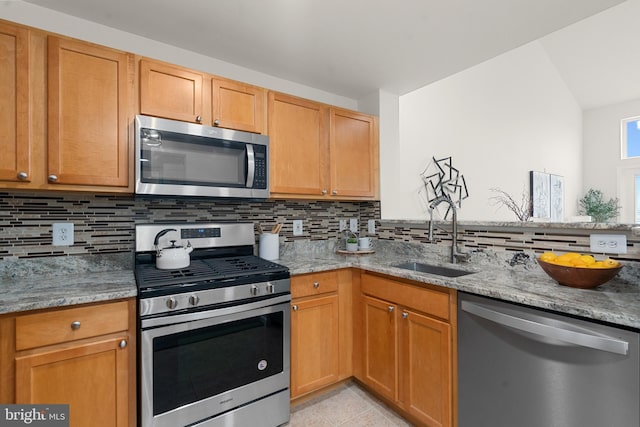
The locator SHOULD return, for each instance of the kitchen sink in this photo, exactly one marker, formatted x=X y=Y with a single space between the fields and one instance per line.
x=433 y=269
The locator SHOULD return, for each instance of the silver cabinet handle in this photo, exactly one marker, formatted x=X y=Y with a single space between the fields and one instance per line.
x=198 y=119
x=22 y=176
x=405 y=314
x=123 y=344
x=75 y=325
x=391 y=308
x=52 y=178
x=316 y=285
x=603 y=343
x=295 y=308
x=216 y=122
x=334 y=192
x=324 y=191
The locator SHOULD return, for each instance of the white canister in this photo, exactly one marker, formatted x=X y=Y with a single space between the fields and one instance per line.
x=269 y=246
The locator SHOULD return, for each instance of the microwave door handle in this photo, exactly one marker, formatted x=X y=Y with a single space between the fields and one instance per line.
x=251 y=165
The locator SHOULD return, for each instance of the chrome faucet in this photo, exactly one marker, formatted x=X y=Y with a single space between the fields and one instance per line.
x=454 y=232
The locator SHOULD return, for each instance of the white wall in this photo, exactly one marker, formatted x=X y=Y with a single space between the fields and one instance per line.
x=55 y=22
x=603 y=168
x=499 y=120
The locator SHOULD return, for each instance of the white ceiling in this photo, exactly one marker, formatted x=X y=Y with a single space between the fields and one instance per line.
x=346 y=47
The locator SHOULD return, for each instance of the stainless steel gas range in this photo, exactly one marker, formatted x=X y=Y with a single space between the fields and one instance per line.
x=214 y=336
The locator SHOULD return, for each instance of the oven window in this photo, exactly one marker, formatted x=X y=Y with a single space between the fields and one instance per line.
x=197 y=364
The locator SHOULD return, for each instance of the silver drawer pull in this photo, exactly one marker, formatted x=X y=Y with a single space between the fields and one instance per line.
x=405 y=314
x=123 y=344
x=391 y=308
x=295 y=308
x=75 y=325
x=316 y=285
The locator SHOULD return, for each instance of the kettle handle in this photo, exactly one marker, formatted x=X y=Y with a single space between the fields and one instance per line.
x=160 y=234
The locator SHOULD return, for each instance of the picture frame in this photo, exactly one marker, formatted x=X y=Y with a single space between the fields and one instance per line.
x=547 y=196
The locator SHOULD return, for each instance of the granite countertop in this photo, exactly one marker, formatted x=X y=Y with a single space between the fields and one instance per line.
x=617 y=301
x=64 y=281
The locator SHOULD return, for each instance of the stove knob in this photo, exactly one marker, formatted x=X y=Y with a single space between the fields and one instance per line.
x=270 y=288
x=172 y=303
x=194 y=299
x=254 y=290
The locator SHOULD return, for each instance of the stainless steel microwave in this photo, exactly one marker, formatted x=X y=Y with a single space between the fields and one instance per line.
x=185 y=159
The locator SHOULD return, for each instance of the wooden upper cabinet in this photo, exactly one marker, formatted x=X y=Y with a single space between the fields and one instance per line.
x=178 y=93
x=298 y=146
x=321 y=152
x=88 y=113
x=354 y=154
x=238 y=106
x=171 y=92
x=15 y=140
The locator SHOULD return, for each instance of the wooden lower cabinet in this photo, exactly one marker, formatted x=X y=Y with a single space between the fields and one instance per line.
x=408 y=347
x=314 y=344
x=92 y=378
x=425 y=368
x=83 y=356
x=321 y=330
x=380 y=347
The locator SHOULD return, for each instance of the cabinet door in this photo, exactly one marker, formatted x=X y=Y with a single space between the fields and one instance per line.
x=425 y=368
x=238 y=106
x=92 y=378
x=298 y=146
x=171 y=92
x=88 y=114
x=380 y=349
x=354 y=154
x=314 y=344
x=14 y=104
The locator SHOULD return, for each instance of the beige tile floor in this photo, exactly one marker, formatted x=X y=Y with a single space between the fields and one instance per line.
x=347 y=405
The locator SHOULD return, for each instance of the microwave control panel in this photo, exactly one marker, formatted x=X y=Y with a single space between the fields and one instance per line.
x=260 y=175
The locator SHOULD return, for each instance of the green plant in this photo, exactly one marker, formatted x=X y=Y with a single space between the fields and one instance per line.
x=594 y=205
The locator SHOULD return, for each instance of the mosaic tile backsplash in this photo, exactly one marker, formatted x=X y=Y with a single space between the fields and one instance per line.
x=104 y=224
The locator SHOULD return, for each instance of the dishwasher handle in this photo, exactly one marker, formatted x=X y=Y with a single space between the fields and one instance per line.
x=608 y=344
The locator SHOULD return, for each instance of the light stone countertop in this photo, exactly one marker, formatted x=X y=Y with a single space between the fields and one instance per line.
x=617 y=301
x=63 y=281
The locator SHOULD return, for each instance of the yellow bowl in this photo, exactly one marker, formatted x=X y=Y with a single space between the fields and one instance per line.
x=579 y=277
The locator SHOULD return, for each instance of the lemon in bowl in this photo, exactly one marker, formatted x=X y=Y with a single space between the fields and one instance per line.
x=578 y=270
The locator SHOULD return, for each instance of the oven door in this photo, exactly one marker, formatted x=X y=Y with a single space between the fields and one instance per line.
x=195 y=366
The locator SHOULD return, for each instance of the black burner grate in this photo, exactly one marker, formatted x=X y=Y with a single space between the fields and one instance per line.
x=148 y=275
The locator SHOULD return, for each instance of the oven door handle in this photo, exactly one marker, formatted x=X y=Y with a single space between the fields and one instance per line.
x=207 y=314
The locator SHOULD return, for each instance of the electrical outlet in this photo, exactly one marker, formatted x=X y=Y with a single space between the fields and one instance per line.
x=297 y=227
x=63 y=234
x=353 y=225
x=343 y=224
x=608 y=243
x=371 y=226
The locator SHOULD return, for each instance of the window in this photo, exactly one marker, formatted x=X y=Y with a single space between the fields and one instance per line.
x=630 y=137
x=637 y=204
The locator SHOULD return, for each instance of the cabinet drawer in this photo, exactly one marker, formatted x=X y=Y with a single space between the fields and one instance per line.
x=425 y=299
x=314 y=284
x=52 y=327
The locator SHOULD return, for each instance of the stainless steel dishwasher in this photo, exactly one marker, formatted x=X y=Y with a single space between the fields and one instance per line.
x=525 y=367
